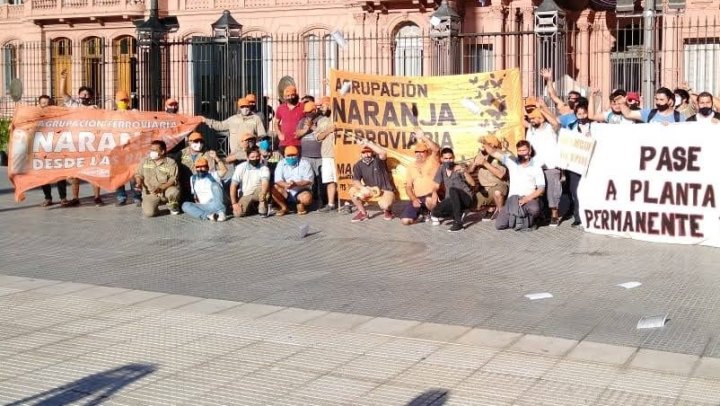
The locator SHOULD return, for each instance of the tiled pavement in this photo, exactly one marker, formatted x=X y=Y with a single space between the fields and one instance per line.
x=69 y=343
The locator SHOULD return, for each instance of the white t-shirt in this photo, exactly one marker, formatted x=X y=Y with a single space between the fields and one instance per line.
x=202 y=188
x=249 y=177
x=523 y=179
x=612 y=117
x=544 y=141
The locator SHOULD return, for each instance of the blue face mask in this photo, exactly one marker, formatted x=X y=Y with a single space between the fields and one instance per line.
x=291 y=160
x=264 y=145
x=202 y=174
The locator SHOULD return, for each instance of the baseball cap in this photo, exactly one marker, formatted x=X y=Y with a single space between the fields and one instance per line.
x=491 y=140
x=633 y=96
x=243 y=102
x=251 y=98
x=421 y=147
x=291 y=150
x=201 y=162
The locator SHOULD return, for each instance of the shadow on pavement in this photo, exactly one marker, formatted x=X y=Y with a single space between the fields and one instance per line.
x=97 y=388
x=433 y=397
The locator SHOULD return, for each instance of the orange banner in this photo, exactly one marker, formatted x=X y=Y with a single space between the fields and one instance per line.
x=101 y=147
x=454 y=111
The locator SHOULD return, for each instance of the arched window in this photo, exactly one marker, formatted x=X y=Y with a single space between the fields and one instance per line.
x=408 y=51
x=321 y=56
x=92 y=66
x=61 y=60
x=125 y=65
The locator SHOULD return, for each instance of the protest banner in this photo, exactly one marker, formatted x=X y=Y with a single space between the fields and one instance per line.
x=101 y=147
x=454 y=111
x=576 y=149
x=654 y=183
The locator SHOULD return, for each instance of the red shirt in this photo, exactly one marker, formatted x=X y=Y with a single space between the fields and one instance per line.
x=289 y=120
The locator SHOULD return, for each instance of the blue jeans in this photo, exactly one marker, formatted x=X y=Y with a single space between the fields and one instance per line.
x=121 y=195
x=201 y=211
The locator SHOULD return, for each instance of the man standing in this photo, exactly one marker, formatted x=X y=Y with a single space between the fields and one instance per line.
x=293 y=182
x=171 y=106
x=371 y=180
x=565 y=110
x=188 y=158
x=122 y=103
x=458 y=184
x=543 y=137
x=252 y=99
x=527 y=184
x=251 y=181
x=244 y=122
x=663 y=112
x=491 y=177
x=309 y=145
x=45 y=101
x=682 y=103
x=287 y=117
x=325 y=132
x=85 y=99
x=614 y=115
x=705 y=113
x=419 y=181
x=208 y=194
x=157 y=178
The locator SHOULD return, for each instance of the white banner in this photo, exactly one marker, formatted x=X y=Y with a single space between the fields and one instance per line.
x=576 y=150
x=654 y=183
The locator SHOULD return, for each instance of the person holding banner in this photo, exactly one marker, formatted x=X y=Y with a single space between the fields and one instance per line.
x=122 y=103
x=458 y=184
x=543 y=138
x=371 y=180
x=208 y=194
x=244 y=122
x=419 y=181
x=582 y=126
x=157 y=178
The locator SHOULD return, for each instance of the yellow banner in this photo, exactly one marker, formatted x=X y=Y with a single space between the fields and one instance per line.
x=454 y=111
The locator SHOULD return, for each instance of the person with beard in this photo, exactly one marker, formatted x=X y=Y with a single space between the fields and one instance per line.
x=293 y=182
x=287 y=117
x=251 y=184
x=662 y=113
x=527 y=182
x=682 y=103
x=543 y=137
x=237 y=125
x=566 y=110
x=207 y=192
x=309 y=144
x=156 y=177
x=583 y=126
x=325 y=131
x=705 y=113
x=614 y=114
x=188 y=157
x=371 y=180
x=458 y=184
x=420 y=180
x=252 y=99
x=171 y=106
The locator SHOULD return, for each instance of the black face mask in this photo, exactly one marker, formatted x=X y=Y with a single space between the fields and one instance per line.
x=254 y=162
x=705 y=111
x=662 y=107
x=448 y=165
x=571 y=104
x=171 y=110
x=294 y=100
x=523 y=158
x=85 y=101
x=584 y=120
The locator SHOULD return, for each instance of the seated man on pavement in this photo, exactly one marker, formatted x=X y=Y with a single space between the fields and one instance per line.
x=371 y=179
x=527 y=184
x=458 y=184
x=157 y=178
x=251 y=183
x=208 y=193
x=293 y=182
x=491 y=178
x=188 y=158
x=419 y=184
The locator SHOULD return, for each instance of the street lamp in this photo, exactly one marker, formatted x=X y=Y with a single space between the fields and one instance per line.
x=444 y=30
x=226 y=28
x=550 y=27
x=226 y=43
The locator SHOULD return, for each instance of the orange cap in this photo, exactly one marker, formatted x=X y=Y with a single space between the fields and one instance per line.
x=170 y=102
x=491 y=140
x=289 y=91
x=309 y=107
x=366 y=149
x=201 y=162
x=243 y=102
x=326 y=101
x=535 y=114
x=251 y=98
x=531 y=101
x=421 y=147
x=291 y=150
x=121 y=95
x=195 y=136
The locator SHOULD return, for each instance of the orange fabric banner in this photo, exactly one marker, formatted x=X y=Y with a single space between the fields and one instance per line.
x=454 y=111
x=99 y=146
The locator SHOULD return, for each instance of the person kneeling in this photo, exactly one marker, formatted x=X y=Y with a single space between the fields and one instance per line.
x=371 y=179
x=208 y=194
x=250 y=181
x=157 y=178
x=458 y=185
x=293 y=182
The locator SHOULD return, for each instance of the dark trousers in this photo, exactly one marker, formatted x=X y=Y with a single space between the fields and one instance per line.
x=532 y=209
x=574 y=182
x=61 y=187
x=454 y=204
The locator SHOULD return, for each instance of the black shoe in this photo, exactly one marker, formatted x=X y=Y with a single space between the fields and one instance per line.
x=120 y=203
x=326 y=209
x=455 y=227
x=99 y=202
x=554 y=222
x=576 y=223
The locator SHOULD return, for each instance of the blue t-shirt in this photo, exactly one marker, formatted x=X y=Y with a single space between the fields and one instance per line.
x=567 y=119
x=659 y=118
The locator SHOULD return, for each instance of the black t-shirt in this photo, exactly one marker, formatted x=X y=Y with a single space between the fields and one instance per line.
x=373 y=174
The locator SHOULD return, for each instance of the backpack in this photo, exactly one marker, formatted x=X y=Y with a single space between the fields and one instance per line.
x=653 y=112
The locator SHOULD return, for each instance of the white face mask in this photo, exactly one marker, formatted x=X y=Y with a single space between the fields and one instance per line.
x=196 y=146
x=678 y=101
x=154 y=155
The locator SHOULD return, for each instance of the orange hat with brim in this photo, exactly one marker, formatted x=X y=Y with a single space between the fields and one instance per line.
x=195 y=136
x=421 y=147
x=531 y=101
x=491 y=140
x=201 y=162
x=309 y=107
x=291 y=150
x=326 y=101
x=243 y=102
x=250 y=98
x=290 y=90
x=366 y=149
x=535 y=114
x=121 y=95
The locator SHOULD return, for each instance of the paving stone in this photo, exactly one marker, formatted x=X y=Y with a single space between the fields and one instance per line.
x=341 y=321
x=543 y=345
x=391 y=396
x=436 y=332
x=702 y=390
x=490 y=384
x=598 y=352
x=488 y=338
x=62 y=288
x=209 y=306
x=583 y=373
x=528 y=365
x=130 y=297
x=98 y=292
x=251 y=311
x=294 y=316
x=649 y=383
x=28 y=283
x=708 y=368
x=616 y=397
x=558 y=393
x=317 y=360
x=336 y=389
x=405 y=349
x=169 y=301
x=664 y=361
x=371 y=368
x=382 y=325
x=461 y=356
x=423 y=375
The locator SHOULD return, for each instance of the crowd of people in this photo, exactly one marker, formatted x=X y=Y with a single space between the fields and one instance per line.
x=292 y=167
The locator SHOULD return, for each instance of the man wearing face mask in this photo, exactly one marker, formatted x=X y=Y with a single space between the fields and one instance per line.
x=543 y=137
x=293 y=182
x=157 y=178
x=458 y=183
x=207 y=193
x=243 y=122
x=171 y=106
x=309 y=144
x=614 y=114
x=705 y=113
x=250 y=182
x=527 y=184
x=371 y=180
x=122 y=103
x=287 y=117
x=663 y=112
x=565 y=110
x=325 y=132
x=85 y=99
x=188 y=158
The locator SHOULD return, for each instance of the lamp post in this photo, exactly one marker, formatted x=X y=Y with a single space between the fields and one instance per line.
x=550 y=26
x=226 y=37
x=151 y=43
x=445 y=28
